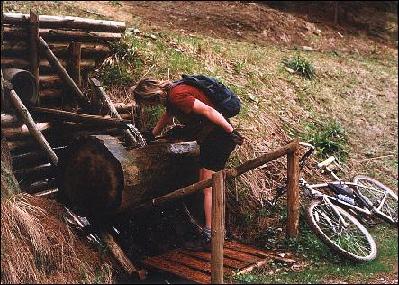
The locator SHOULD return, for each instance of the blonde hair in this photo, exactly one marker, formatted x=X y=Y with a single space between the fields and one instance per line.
x=149 y=89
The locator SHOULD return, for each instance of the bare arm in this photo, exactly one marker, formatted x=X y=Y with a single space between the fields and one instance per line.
x=212 y=115
x=162 y=122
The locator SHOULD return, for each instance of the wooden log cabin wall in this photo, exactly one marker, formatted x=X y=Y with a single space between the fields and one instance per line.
x=80 y=45
x=75 y=41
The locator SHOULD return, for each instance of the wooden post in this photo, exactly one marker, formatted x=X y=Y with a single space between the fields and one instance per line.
x=34 y=48
x=218 y=187
x=54 y=62
x=27 y=118
x=293 y=191
x=74 y=62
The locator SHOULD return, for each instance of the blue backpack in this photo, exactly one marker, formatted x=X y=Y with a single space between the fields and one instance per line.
x=224 y=100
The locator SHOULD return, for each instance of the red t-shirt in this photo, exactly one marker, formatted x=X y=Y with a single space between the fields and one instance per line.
x=182 y=97
x=180 y=104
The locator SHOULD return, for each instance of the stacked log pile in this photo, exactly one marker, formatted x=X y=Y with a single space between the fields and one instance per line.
x=80 y=45
x=69 y=38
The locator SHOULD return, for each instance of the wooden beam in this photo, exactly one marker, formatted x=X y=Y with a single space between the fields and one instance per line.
x=293 y=192
x=34 y=48
x=133 y=139
x=16 y=33
x=45 y=67
x=121 y=258
x=23 y=131
x=47 y=21
x=64 y=74
x=74 y=62
x=218 y=207
x=79 y=118
x=9 y=121
x=37 y=135
x=40 y=186
x=28 y=159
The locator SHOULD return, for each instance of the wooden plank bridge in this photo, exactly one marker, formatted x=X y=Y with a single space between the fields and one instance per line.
x=196 y=265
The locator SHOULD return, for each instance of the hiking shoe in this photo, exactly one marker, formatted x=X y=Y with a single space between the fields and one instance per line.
x=200 y=244
x=203 y=243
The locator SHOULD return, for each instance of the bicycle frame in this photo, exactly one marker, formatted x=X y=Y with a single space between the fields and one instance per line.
x=314 y=193
x=367 y=209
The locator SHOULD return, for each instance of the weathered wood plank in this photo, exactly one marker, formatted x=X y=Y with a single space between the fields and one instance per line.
x=48 y=21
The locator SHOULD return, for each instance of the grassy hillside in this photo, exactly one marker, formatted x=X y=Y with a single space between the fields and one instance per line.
x=349 y=108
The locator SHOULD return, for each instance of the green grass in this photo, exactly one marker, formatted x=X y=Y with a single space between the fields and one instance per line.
x=301 y=66
x=327 y=266
x=329 y=138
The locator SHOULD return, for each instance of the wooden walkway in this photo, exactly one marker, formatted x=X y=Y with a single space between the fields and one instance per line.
x=196 y=266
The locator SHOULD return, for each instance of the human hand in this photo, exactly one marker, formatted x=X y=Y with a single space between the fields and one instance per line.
x=148 y=135
x=178 y=131
x=237 y=137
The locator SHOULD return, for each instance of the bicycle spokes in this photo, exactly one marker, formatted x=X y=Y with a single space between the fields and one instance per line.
x=340 y=230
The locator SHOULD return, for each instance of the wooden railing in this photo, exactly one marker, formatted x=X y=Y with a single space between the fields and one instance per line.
x=217 y=182
x=218 y=201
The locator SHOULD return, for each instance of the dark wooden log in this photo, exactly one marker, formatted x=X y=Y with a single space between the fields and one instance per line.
x=21 y=145
x=88 y=50
x=117 y=252
x=30 y=175
x=23 y=131
x=34 y=47
x=218 y=207
x=29 y=159
x=18 y=34
x=98 y=176
x=81 y=98
x=233 y=172
x=37 y=135
x=52 y=114
x=47 y=21
x=40 y=186
x=50 y=82
x=48 y=194
x=45 y=66
x=51 y=93
x=74 y=62
x=9 y=121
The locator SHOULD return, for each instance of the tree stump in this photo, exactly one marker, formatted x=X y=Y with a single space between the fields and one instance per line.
x=99 y=177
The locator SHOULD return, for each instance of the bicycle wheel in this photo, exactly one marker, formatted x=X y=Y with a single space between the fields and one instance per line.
x=375 y=192
x=340 y=231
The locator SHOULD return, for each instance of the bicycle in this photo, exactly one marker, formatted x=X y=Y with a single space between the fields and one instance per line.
x=332 y=217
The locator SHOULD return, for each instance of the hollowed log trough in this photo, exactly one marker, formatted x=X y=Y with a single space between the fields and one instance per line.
x=98 y=177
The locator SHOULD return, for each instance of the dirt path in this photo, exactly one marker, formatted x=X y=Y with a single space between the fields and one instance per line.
x=252 y=22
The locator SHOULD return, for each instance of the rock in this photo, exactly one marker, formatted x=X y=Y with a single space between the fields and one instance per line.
x=290 y=70
x=307 y=48
x=317 y=32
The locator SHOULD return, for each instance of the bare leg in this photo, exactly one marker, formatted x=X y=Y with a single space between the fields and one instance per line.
x=207 y=174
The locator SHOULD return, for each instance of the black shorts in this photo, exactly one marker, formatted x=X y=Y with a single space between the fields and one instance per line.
x=215 y=150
